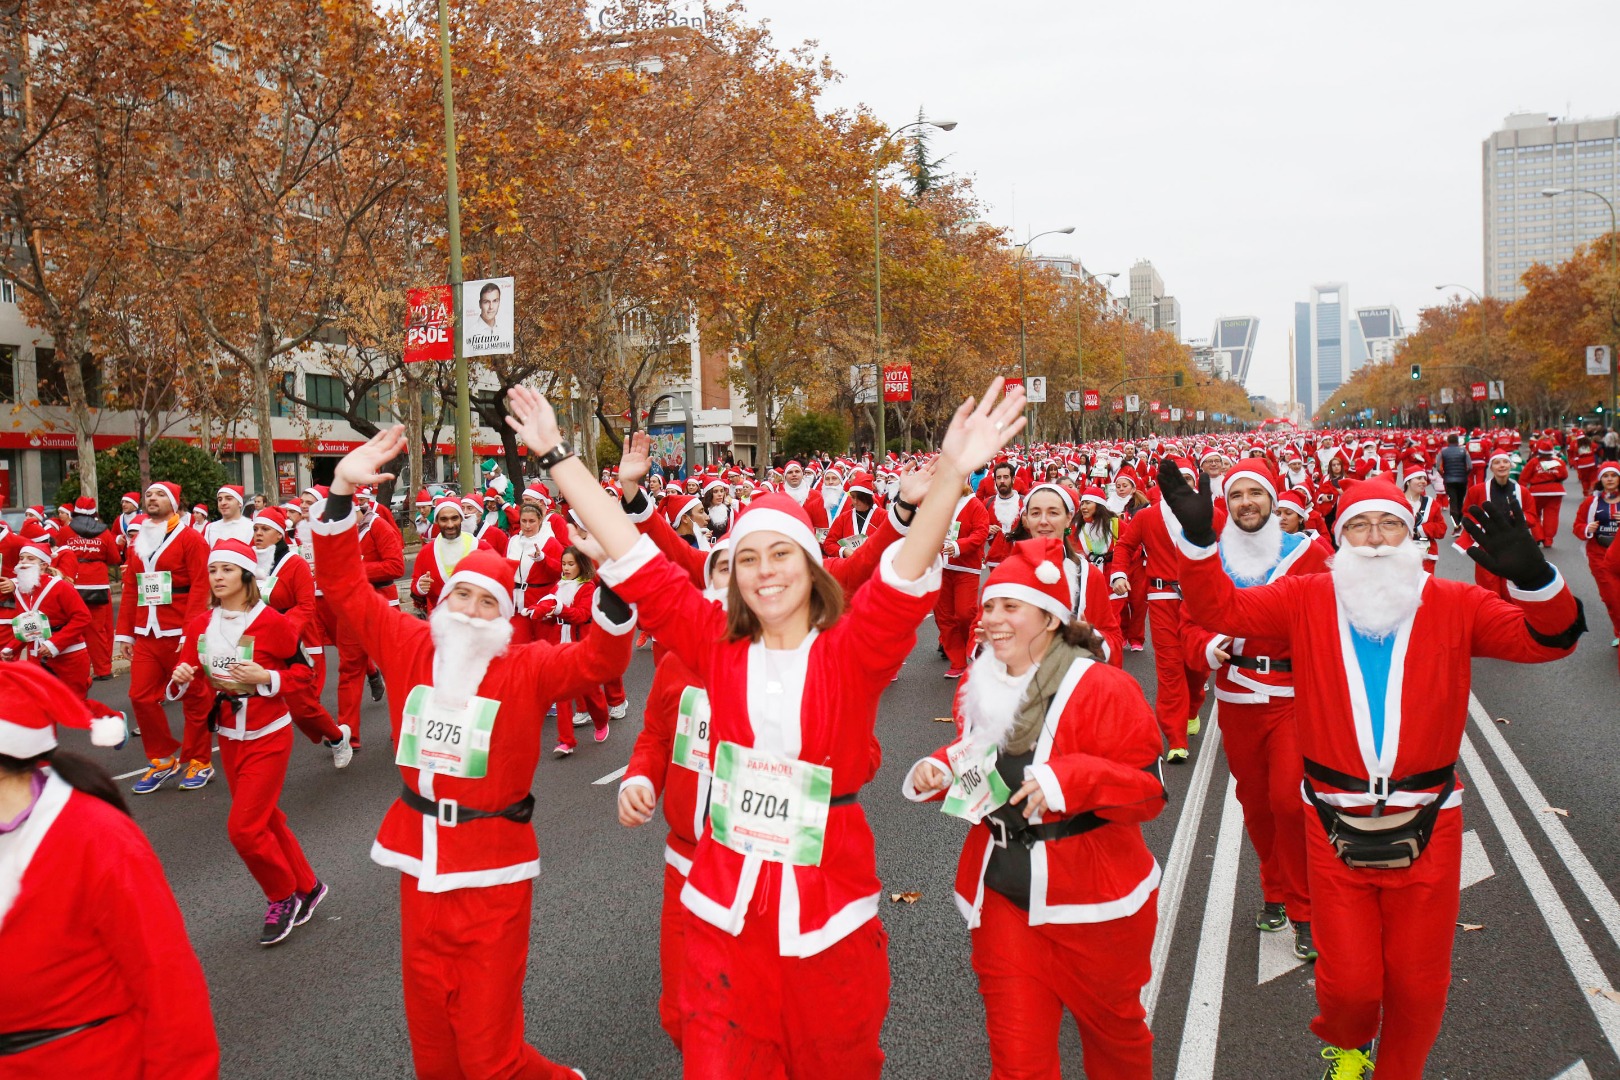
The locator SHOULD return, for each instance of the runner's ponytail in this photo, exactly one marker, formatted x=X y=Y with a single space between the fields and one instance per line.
x=77 y=771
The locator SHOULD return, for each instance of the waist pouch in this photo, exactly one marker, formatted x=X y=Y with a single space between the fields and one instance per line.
x=95 y=597
x=16 y=1042
x=1380 y=841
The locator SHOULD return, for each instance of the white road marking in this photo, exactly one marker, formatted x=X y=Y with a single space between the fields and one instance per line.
x=1580 y=868
x=1577 y=954
x=1476 y=865
x=143 y=768
x=1577 y=1071
x=1277 y=955
x=1201 y=1030
x=1174 y=881
x=612 y=776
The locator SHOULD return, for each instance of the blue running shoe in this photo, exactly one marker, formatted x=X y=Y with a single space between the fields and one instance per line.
x=198 y=773
x=154 y=777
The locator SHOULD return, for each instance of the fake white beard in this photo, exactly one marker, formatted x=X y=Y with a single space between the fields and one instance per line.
x=1006 y=511
x=266 y=558
x=717 y=595
x=991 y=699
x=1379 y=588
x=797 y=494
x=28 y=577
x=148 y=535
x=1251 y=556
x=717 y=516
x=463 y=646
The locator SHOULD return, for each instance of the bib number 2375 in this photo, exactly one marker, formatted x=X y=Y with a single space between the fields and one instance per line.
x=769 y=806
x=451 y=742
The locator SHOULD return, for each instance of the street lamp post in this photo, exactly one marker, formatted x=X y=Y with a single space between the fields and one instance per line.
x=877 y=280
x=1614 y=303
x=1080 y=333
x=1023 y=358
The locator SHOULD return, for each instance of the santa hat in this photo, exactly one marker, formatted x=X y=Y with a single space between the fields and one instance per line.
x=200 y=508
x=495 y=492
x=423 y=498
x=1033 y=574
x=1370 y=496
x=1608 y=467
x=38 y=549
x=678 y=507
x=1415 y=474
x=1253 y=469
x=317 y=491
x=136 y=522
x=721 y=546
x=491 y=572
x=713 y=484
x=536 y=494
x=272 y=517
x=84 y=504
x=1127 y=476
x=233 y=490
x=131 y=498
x=236 y=553
x=445 y=502
x=1062 y=493
x=471 y=502
x=365 y=494
x=1094 y=495
x=860 y=480
x=1186 y=468
x=34 y=513
x=35 y=703
x=1503 y=454
x=1545 y=446
x=777 y=512
x=1295 y=500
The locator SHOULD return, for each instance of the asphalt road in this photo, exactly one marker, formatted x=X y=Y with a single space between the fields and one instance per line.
x=327 y=1002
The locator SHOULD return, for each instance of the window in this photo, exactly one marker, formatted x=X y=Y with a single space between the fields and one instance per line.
x=325 y=395
x=8 y=291
x=51 y=383
x=55 y=466
x=8 y=373
x=279 y=405
x=10 y=480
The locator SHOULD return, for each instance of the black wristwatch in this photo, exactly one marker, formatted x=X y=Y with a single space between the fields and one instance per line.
x=559 y=453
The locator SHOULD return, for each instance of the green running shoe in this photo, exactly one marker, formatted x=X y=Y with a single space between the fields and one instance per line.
x=1346 y=1063
x=1272 y=917
x=1194 y=726
x=1302 y=941
x=1176 y=756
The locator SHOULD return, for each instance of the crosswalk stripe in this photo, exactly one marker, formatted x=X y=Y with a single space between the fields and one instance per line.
x=1200 y=1031
x=612 y=776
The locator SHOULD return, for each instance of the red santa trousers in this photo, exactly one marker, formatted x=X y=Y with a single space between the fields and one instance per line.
x=149 y=670
x=308 y=714
x=1385 y=938
x=1597 y=560
x=1028 y=975
x=749 y=1014
x=255 y=770
x=98 y=638
x=671 y=954
x=1181 y=689
x=1548 y=508
x=1133 y=617
x=953 y=614
x=595 y=703
x=613 y=692
x=1586 y=476
x=352 y=668
x=1262 y=750
x=464 y=954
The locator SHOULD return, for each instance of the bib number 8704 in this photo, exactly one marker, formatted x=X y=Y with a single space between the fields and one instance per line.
x=761 y=805
x=443 y=731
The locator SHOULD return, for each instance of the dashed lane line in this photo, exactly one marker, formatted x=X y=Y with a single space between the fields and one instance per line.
x=612 y=776
x=1200 y=1032
x=1174 y=881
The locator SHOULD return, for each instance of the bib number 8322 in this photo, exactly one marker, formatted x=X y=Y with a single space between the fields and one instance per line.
x=754 y=802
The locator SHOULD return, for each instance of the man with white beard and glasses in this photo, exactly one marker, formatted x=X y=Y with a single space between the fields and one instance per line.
x=467 y=710
x=1380 y=710
x=1254 y=682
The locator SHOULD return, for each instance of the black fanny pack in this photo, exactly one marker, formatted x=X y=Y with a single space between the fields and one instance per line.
x=16 y=1042
x=1380 y=841
x=1007 y=823
x=96 y=597
x=451 y=813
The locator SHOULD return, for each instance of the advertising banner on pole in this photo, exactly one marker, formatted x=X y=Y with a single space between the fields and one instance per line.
x=1445 y=396
x=1164 y=414
x=1071 y=401
x=1200 y=416
x=1118 y=405
x=428 y=322
x=1423 y=401
x=1153 y=406
x=1477 y=390
x=486 y=317
x=1093 y=399
x=1133 y=403
x=897 y=382
x=1035 y=389
x=1597 y=359
x=1175 y=414
x=1497 y=389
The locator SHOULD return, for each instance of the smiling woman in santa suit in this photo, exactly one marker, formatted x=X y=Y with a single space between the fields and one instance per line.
x=1056 y=765
x=786 y=966
x=100 y=979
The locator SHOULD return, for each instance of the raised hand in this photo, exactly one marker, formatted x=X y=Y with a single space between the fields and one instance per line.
x=362 y=466
x=635 y=461
x=1194 y=509
x=531 y=416
x=914 y=482
x=586 y=543
x=978 y=431
x=1504 y=547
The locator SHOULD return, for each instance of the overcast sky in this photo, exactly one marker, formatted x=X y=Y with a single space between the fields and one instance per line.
x=1248 y=148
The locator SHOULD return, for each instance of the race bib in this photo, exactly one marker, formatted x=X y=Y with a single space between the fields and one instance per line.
x=266 y=587
x=451 y=742
x=306 y=551
x=976 y=788
x=32 y=626
x=156 y=588
x=769 y=806
x=848 y=544
x=218 y=664
x=691 y=749
x=954 y=531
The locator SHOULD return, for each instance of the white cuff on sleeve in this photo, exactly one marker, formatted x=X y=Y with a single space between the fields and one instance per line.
x=930 y=581
x=127 y=640
x=600 y=618
x=271 y=688
x=618 y=571
x=1179 y=538
x=894 y=518
x=908 y=786
x=637 y=781
x=173 y=691
x=1541 y=595
x=330 y=528
x=1047 y=779
x=647 y=507
x=1210 y=658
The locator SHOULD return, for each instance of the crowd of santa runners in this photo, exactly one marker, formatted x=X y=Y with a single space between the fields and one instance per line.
x=1288 y=573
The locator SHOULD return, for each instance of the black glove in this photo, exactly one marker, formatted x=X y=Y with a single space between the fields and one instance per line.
x=1194 y=509
x=1504 y=547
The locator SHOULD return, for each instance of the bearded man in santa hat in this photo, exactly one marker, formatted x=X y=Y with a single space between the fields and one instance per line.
x=467 y=709
x=1380 y=713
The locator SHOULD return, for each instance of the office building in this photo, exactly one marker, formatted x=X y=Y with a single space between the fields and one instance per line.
x=1381 y=331
x=1147 y=289
x=1534 y=151
x=1328 y=344
x=1208 y=359
x=1234 y=336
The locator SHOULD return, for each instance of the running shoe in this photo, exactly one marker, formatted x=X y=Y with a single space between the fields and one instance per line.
x=619 y=711
x=955 y=673
x=198 y=773
x=309 y=901
x=1134 y=646
x=153 y=777
x=1194 y=726
x=342 y=752
x=602 y=732
x=1346 y=1063
x=1177 y=755
x=1302 y=941
x=562 y=749
x=1272 y=917
x=581 y=718
x=1615 y=644
x=374 y=680
x=278 y=920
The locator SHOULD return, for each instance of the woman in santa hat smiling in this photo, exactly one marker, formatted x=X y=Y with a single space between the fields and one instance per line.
x=1056 y=765
x=237 y=660
x=786 y=962
x=100 y=978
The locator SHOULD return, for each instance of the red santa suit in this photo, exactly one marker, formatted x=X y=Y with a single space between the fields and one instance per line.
x=382 y=556
x=1411 y=911
x=98 y=965
x=493 y=531
x=155 y=628
x=562 y=614
x=1003 y=517
x=958 y=604
x=1132 y=608
x=48 y=627
x=1430 y=526
x=254 y=727
x=466 y=882
x=1595 y=525
x=1586 y=463
x=536 y=566
x=288 y=585
x=94 y=548
x=808 y=496
x=786 y=960
x=1544 y=475
x=437 y=560
x=1515 y=493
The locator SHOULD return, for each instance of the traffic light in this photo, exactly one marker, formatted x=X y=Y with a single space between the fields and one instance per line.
x=1599 y=409
x=1417 y=372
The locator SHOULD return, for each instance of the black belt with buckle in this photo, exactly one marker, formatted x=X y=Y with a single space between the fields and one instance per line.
x=1165 y=584
x=1265 y=665
x=451 y=813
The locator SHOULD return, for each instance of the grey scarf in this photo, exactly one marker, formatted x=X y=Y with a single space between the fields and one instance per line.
x=1026 y=730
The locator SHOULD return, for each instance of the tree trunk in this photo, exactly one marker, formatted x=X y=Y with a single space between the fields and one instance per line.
x=269 y=478
x=67 y=355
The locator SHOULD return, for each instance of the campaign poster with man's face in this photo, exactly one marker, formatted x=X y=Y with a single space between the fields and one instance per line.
x=486 y=317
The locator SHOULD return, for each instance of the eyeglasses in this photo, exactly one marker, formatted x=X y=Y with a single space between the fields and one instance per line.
x=1391 y=527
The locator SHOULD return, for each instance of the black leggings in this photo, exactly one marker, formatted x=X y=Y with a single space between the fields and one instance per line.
x=1455 y=494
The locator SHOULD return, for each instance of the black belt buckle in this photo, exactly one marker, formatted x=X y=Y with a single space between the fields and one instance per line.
x=998 y=831
x=448 y=812
x=1262 y=665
